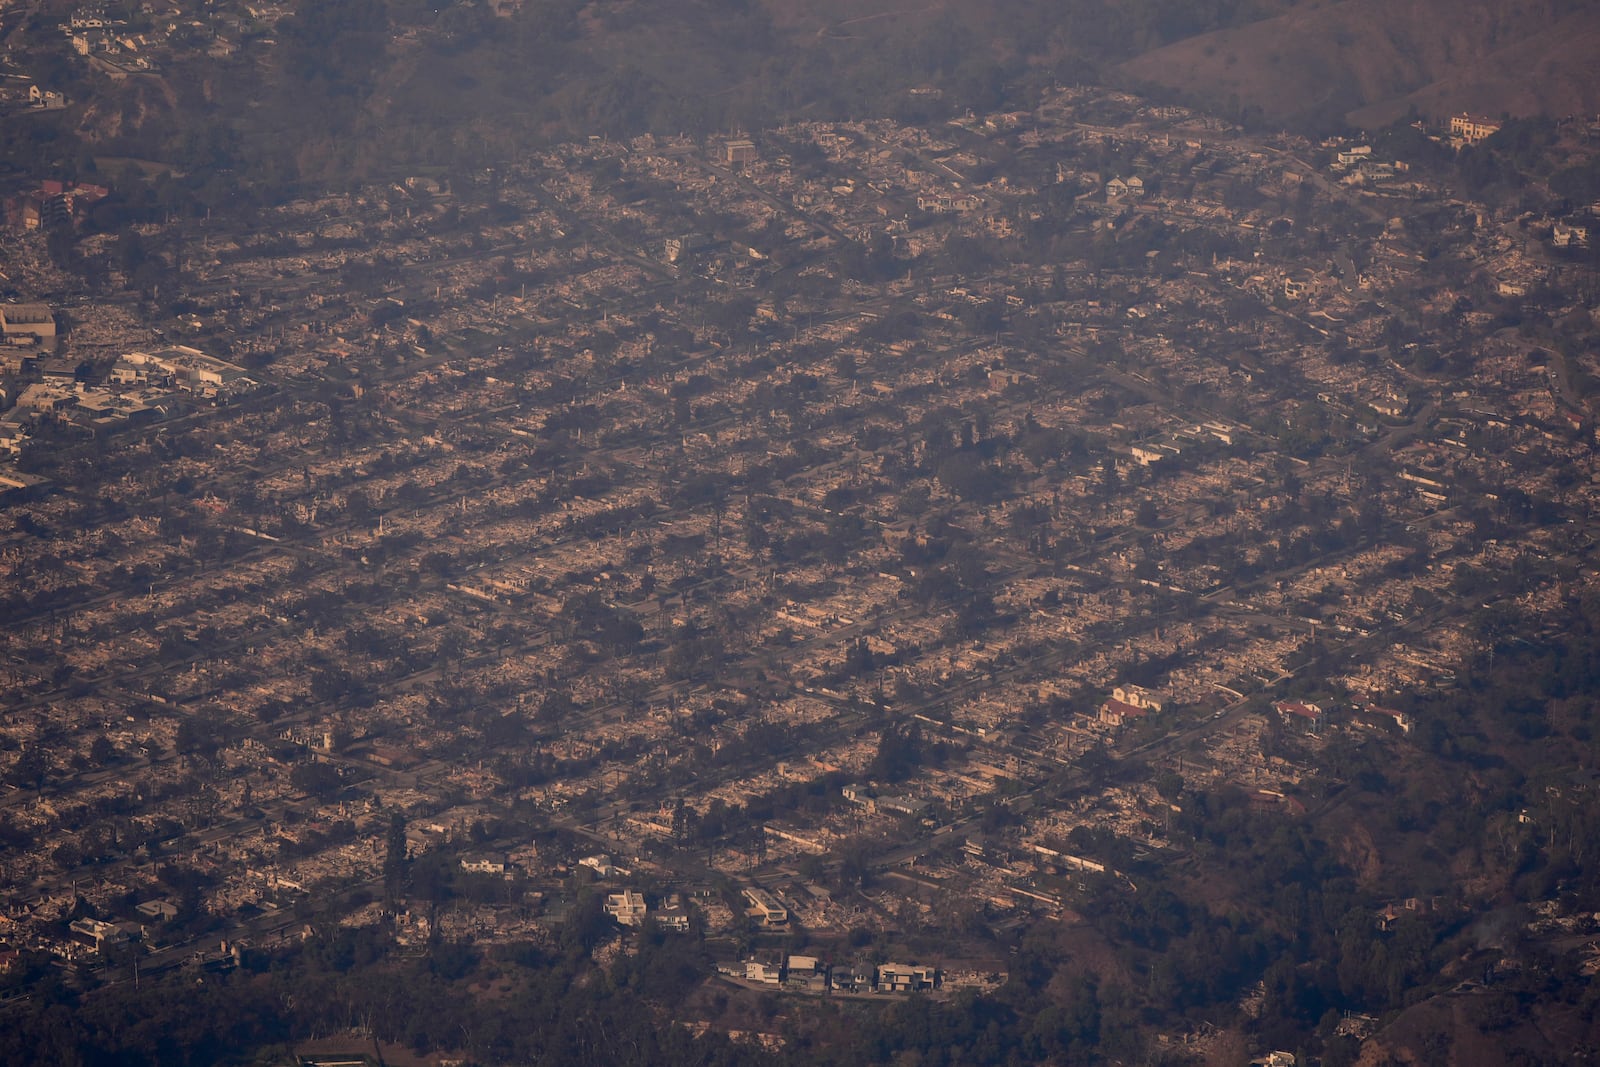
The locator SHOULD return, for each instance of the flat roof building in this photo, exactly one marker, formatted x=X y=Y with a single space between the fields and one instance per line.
x=627 y=907
x=766 y=906
x=27 y=322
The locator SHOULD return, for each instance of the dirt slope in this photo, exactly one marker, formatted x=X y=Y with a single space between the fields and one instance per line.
x=1481 y=1028
x=1369 y=61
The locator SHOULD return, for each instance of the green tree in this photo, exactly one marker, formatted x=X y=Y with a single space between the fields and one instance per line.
x=395 y=857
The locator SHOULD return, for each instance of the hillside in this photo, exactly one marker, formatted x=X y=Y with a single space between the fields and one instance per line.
x=391 y=86
x=1368 y=62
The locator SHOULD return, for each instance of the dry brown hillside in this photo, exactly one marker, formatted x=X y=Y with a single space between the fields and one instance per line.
x=1481 y=1027
x=1369 y=61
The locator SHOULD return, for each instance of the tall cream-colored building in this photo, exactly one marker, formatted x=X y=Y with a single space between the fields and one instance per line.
x=1472 y=129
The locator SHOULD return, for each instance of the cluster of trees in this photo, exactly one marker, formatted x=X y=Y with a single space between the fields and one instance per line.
x=352 y=979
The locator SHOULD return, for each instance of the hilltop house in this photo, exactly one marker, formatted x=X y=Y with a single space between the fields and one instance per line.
x=1564 y=235
x=484 y=863
x=899 y=978
x=1125 y=188
x=1472 y=129
x=1127 y=704
x=1307 y=718
x=765 y=906
x=627 y=907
